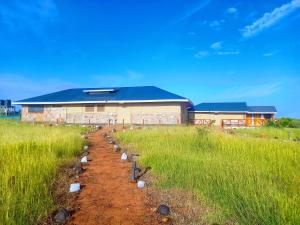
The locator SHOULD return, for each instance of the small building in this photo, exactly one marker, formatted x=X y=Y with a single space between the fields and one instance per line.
x=119 y=105
x=6 y=109
x=230 y=114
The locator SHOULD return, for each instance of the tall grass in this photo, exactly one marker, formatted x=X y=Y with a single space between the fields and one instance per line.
x=30 y=156
x=270 y=132
x=249 y=180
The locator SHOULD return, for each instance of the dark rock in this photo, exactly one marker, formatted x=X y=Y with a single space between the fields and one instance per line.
x=78 y=169
x=61 y=216
x=113 y=130
x=163 y=210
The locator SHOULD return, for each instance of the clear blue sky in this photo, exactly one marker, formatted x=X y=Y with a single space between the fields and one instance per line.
x=207 y=50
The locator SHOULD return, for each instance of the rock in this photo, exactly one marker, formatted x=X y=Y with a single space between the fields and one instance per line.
x=117 y=148
x=111 y=142
x=141 y=184
x=113 y=130
x=85 y=148
x=163 y=210
x=165 y=219
x=124 y=156
x=61 y=216
x=74 y=187
x=84 y=159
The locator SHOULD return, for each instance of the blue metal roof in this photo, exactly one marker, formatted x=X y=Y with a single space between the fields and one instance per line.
x=232 y=107
x=118 y=94
x=262 y=109
x=220 y=107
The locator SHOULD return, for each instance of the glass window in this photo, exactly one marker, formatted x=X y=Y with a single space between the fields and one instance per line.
x=36 y=108
x=89 y=108
x=100 y=108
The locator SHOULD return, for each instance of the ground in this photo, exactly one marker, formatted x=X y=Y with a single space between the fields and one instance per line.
x=108 y=195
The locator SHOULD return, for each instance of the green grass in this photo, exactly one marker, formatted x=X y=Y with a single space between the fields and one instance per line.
x=270 y=132
x=30 y=156
x=246 y=180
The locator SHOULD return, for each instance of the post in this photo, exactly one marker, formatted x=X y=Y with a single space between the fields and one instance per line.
x=123 y=122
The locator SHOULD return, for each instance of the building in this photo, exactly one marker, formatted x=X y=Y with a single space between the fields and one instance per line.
x=230 y=114
x=6 y=108
x=119 y=105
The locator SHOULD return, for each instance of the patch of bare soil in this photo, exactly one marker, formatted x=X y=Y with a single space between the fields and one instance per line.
x=108 y=196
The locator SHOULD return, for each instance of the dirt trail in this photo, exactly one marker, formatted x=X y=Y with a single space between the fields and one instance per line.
x=108 y=196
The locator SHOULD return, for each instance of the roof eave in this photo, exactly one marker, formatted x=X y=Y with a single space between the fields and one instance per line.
x=95 y=102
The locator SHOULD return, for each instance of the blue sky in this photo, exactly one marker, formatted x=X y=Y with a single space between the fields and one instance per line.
x=207 y=50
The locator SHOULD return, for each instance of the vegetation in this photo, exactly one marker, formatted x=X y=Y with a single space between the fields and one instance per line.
x=30 y=156
x=284 y=122
x=270 y=132
x=247 y=180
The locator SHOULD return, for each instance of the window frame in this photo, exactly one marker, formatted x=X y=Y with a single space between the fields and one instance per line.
x=36 y=108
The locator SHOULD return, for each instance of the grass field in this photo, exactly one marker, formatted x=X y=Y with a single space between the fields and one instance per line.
x=30 y=156
x=270 y=132
x=244 y=179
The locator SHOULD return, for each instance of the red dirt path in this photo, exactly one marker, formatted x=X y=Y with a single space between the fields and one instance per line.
x=108 y=196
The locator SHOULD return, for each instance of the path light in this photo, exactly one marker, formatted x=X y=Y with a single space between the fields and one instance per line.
x=141 y=184
x=124 y=156
x=61 y=216
x=78 y=169
x=85 y=148
x=84 y=159
x=135 y=170
x=74 y=187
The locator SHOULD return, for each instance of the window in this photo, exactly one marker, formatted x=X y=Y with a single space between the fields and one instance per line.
x=35 y=109
x=100 y=108
x=89 y=108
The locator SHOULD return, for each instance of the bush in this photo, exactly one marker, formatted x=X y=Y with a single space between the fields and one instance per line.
x=283 y=122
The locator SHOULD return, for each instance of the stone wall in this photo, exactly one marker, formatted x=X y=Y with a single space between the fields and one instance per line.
x=131 y=113
x=156 y=118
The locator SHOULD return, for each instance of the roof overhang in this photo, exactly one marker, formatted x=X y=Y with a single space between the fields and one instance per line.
x=99 y=102
x=219 y=111
x=234 y=112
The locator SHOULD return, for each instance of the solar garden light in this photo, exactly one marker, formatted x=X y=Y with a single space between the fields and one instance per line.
x=135 y=170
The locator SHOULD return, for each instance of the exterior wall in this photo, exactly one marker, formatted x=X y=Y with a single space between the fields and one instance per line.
x=217 y=117
x=127 y=113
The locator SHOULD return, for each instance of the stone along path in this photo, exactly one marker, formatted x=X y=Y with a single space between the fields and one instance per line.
x=108 y=196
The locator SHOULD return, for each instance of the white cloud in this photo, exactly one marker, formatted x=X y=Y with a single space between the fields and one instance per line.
x=216 y=45
x=32 y=14
x=216 y=24
x=231 y=10
x=194 y=10
x=270 y=18
x=201 y=54
x=255 y=91
x=268 y=54
x=228 y=53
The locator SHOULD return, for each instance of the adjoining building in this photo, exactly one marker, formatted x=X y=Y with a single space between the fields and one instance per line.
x=119 y=105
x=230 y=114
x=6 y=109
x=138 y=105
